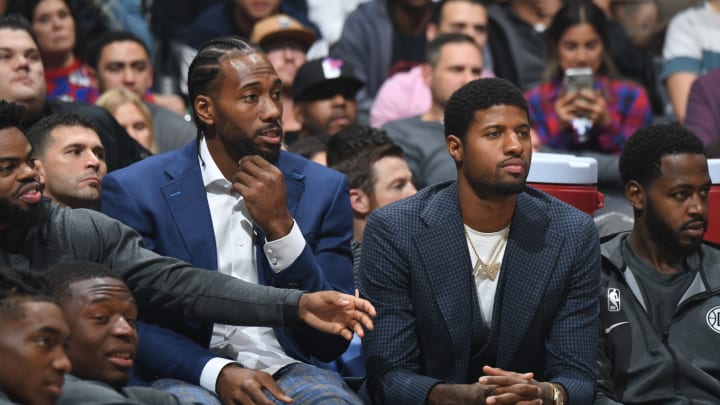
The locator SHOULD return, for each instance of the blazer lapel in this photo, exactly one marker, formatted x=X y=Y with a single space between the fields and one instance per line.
x=531 y=254
x=184 y=194
x=446 y=262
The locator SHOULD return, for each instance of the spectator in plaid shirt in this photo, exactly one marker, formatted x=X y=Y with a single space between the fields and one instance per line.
x=598 y=120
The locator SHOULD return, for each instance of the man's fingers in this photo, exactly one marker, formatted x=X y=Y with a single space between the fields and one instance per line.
x=346 y=333
x=512 y=399
x=516 y=394
x=256 y=166
x=358 y=329
x=365 y=319
x=269 y=384
x=250 y=162
x=503 y=380
x=242 y=182
x=338 y=313
x=240 y=397
x=363 y=311
x=364 y=306
x=525 y=391
x=255 y=397
x=495 y=371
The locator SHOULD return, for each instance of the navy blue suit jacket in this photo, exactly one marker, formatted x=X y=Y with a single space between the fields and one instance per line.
x=163 y=197
x=416 y=270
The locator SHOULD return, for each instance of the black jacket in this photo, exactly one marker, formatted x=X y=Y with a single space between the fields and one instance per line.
x=639 y=365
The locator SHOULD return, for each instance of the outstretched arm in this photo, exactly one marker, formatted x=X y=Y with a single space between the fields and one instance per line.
x=336 y=313
x=168 y=284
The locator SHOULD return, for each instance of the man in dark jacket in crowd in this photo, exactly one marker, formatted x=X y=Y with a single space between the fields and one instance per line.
x=660 y=297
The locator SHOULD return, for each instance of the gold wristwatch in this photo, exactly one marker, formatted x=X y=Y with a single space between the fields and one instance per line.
x=557 y=395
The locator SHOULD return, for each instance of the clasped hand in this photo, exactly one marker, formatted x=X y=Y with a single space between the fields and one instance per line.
x=507 y=387
x=586 y=103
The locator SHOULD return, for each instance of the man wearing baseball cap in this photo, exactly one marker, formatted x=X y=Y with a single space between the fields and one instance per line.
x=285 y=42
x=324 y=94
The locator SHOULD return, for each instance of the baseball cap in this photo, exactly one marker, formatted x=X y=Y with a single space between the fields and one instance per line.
x=323 y=78
x=279 y=26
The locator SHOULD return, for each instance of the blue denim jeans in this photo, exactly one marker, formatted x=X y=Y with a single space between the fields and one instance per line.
x=304 y=383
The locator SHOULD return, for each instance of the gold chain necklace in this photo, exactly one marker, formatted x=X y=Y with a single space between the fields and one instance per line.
x=493 y=267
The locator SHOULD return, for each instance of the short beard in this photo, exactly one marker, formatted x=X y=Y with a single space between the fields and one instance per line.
x=14 y=216
x=245 y=146
x=664 y=233
x=508 y=189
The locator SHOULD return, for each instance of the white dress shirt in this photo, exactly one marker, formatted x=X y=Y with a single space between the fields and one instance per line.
x=253 y=347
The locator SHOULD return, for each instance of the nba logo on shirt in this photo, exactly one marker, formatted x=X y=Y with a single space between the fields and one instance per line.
x=613 y=298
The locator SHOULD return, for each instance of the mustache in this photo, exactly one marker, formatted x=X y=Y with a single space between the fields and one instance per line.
x=695 y=220
x=515 y=159
x=275 y=126
x=25 y=184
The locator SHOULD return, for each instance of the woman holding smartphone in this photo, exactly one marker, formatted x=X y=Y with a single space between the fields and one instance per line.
x=586 y=109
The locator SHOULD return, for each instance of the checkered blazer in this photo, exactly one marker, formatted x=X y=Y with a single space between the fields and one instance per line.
x=416 y=270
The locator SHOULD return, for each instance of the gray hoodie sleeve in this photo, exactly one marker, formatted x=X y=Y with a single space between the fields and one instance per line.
x=165 y=282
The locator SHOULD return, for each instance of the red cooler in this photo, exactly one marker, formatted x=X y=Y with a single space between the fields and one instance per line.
x=568 y=178
x=713 y=232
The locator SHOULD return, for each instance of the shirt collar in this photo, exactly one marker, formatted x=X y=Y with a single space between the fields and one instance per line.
x=211 y=173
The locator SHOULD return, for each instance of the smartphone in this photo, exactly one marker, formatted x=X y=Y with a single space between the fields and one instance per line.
x=577 y=79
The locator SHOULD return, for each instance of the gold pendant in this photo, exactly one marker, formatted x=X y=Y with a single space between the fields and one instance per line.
x=491 y=269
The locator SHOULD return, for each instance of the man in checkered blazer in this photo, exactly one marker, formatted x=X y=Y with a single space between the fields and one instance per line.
x=485 y=289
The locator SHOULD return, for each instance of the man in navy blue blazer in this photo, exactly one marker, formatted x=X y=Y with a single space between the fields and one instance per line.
x=485 y=289
x=233 y=201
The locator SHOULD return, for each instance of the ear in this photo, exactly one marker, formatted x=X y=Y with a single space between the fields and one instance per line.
x=205 y=109
x=152 y=76
x=455 y=147
x=359 y=201
x=40 y=169
x=431 y=32
x=426 y=73
x=298 y=112
x=635 y=194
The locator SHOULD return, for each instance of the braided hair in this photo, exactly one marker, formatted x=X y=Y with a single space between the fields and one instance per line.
x=205 y=68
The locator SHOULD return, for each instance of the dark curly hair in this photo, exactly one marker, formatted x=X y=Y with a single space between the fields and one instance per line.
x=39 y=134
x=10 y=114
x=347 y=143
x=63 y=274
x=95 y=48
x=640 y=159
x=18 y=286
x=479 y=95
x=354 y=151
x=15 y=21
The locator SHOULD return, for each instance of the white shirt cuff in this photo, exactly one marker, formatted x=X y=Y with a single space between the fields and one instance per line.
x=211 y=372
x=283 y=252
